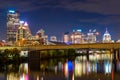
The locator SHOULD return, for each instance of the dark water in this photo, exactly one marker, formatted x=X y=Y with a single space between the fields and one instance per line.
x=98 y=67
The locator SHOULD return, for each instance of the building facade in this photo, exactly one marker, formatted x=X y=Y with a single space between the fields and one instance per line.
x=23 y=32
x=91 y=36
x=77 y=37
x=13 y=23
x=40 y=35
x=66 y=37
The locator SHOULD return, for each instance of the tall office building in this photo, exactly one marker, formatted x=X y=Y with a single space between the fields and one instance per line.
x=77 y=37
x=23 y=32
x=91 y=36
x=13 y=22
x=28 y=31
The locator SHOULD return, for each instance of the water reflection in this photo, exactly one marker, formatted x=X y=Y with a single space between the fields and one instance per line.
x=23 y=71
x=69 y=70
x=23 y=68
x=107 y=67
x=65 y=69
x=87 y=67
x=15 y=73
x=12 y=76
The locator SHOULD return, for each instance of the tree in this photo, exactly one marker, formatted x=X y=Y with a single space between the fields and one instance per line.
x=15 y=54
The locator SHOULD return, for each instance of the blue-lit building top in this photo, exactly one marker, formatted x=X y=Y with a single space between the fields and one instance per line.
x=11 y=11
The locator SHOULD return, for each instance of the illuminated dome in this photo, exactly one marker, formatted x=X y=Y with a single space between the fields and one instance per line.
x=106 y=37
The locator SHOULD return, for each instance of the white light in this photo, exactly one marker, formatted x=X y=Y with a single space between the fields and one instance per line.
x=21 y=22
x=11 y=11
x=79 y=30
x=26 y=24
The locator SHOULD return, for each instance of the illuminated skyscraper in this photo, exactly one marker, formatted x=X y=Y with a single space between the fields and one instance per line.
x=24 y=36
x=21 y=33
x=106 y=37
x=12 y=25
x=28 y=31
x=77 y=37
x=91 y=36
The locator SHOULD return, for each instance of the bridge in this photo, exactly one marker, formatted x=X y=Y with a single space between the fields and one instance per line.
x=72 y=46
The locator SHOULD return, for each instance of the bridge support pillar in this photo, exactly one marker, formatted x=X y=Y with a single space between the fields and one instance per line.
x=116 y=54
x=87 y=54
x=34 y=60
x=119 y=54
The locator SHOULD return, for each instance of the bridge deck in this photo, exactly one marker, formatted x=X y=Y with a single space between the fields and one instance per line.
x=73 y=46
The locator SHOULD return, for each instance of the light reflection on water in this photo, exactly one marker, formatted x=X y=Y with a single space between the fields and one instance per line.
x=22 y=73
x=64 y=69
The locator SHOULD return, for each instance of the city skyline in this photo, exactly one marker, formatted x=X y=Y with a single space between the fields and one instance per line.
x=58 y=17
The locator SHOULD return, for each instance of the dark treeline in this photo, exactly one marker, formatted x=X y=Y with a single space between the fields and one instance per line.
x=10 y=56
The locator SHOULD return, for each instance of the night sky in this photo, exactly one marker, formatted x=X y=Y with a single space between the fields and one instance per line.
x=59 y=16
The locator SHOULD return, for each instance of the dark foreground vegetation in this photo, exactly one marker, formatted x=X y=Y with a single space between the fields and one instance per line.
x=11 y=56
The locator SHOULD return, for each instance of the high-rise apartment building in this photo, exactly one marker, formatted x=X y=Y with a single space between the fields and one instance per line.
x=13 y=22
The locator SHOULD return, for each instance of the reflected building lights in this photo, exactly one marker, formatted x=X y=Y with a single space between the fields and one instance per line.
x=23 y=69
x=12 y=76
x=78 y=69
x=69 y=70
x=84 y=68
x=107 y=67
x=24 y=77
x=66 y=70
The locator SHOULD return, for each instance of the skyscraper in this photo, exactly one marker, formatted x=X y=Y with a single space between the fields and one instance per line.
x=77 y=37
x=91 y=36
x=23 y=32
x=13 y=22
x=28 y=31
